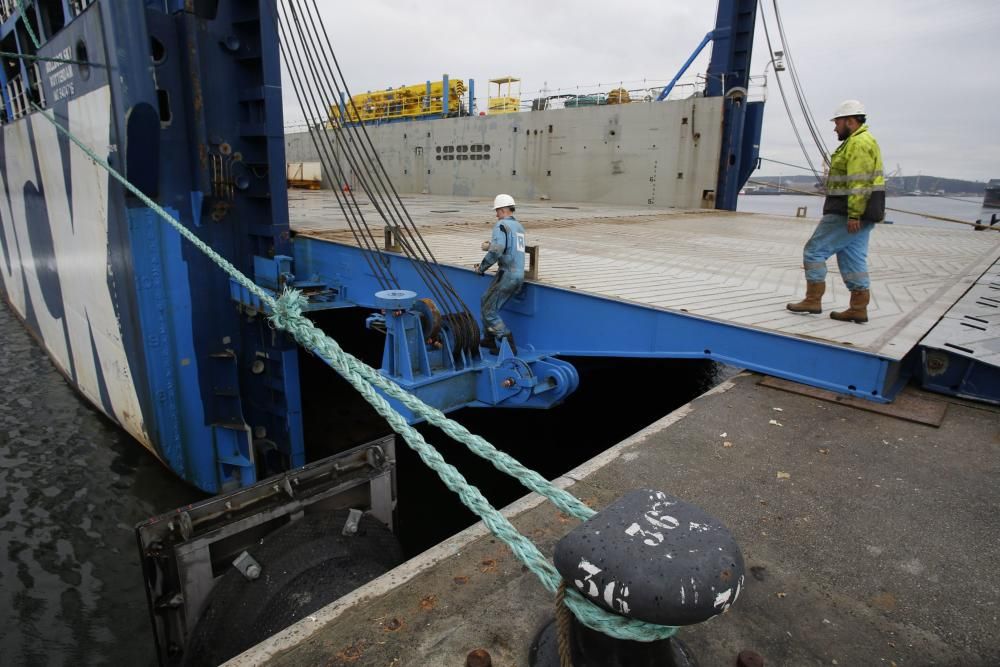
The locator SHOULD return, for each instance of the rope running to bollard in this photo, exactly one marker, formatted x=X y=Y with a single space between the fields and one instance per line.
x=25 y=56
x=887 y=185
x=287 y=316
x=888 y=208
x=564 y=629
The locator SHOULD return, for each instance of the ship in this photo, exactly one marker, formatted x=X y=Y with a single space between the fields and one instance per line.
x=183 y=100
x=130 y=315
x=991 y=196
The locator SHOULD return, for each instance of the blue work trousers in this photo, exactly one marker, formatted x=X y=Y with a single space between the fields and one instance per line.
x=832 y=238
x=504 y=286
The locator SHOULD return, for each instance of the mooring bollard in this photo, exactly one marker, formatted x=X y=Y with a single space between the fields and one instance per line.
x=651 y=557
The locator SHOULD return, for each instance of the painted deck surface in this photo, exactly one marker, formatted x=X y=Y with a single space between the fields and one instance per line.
x=739 y=268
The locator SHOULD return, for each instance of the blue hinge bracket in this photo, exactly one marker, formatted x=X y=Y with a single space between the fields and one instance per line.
x=274 y=275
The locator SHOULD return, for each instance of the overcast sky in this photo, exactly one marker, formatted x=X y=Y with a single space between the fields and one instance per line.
x=925 y=69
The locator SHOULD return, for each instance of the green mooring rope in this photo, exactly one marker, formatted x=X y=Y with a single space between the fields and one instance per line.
x=27 y=24
x=287 y=316
x=25 y=56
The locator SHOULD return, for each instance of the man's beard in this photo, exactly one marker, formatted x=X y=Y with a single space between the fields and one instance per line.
x=843 y=134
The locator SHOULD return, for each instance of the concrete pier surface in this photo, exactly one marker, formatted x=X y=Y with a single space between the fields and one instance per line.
x=869 y=539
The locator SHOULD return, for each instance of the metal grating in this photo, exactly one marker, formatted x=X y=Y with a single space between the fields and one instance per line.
x=961 y=354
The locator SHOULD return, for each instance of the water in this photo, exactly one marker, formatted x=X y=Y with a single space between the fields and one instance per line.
x=968 y=210
x=72 y=486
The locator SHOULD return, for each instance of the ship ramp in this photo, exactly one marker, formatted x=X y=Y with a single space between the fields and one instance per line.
x=622 y=281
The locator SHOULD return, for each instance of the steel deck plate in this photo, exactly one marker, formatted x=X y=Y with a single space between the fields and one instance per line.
x=971 y=328
x=739 y=268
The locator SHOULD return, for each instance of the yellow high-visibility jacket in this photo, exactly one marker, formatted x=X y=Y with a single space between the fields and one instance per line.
x=856 y=184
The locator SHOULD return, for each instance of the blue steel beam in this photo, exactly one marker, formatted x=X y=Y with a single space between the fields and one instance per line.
x=444 y=101
x=39 y=28
x=729 y=76
x=670 y=86
x=234 y=395
x=430 y=370
x=3 y=93
x=564 y=322
x=729 y=66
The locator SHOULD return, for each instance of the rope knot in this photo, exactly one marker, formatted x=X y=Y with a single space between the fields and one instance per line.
x=288 y=309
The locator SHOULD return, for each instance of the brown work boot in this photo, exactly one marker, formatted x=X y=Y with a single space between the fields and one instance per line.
x=813 y=303
x=858 y=311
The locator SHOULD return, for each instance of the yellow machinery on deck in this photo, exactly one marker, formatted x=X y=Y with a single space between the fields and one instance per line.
x=507 y=99
x=418 y=101
x=307 y=175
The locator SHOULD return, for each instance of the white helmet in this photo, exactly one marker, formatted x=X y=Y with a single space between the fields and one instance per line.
x=849 y=108
x=503 y=201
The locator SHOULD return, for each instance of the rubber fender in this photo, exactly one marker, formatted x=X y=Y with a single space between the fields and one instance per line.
x=305 y=565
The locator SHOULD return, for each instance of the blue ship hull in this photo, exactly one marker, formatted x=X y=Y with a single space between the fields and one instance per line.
x=183 y=97
x=141 y=325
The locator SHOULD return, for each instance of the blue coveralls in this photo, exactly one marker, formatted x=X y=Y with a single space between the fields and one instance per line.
x=507 y=249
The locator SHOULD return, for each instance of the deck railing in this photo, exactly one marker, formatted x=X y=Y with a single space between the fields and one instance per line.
x=18 y=97
x=7 y=9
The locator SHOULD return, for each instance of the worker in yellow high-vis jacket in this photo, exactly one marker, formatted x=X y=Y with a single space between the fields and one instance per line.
x=855 y=201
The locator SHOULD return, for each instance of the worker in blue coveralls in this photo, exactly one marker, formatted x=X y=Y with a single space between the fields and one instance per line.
x=506 y=247
x=855 y=201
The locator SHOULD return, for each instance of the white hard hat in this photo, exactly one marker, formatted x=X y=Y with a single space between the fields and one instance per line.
x=849 y=108
x=503 y=201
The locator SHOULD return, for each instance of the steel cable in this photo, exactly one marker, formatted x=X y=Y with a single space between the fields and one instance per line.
x=351 y=211
x=784 y=99
x=799 y=92
x=417 y=248
x=306 y=43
